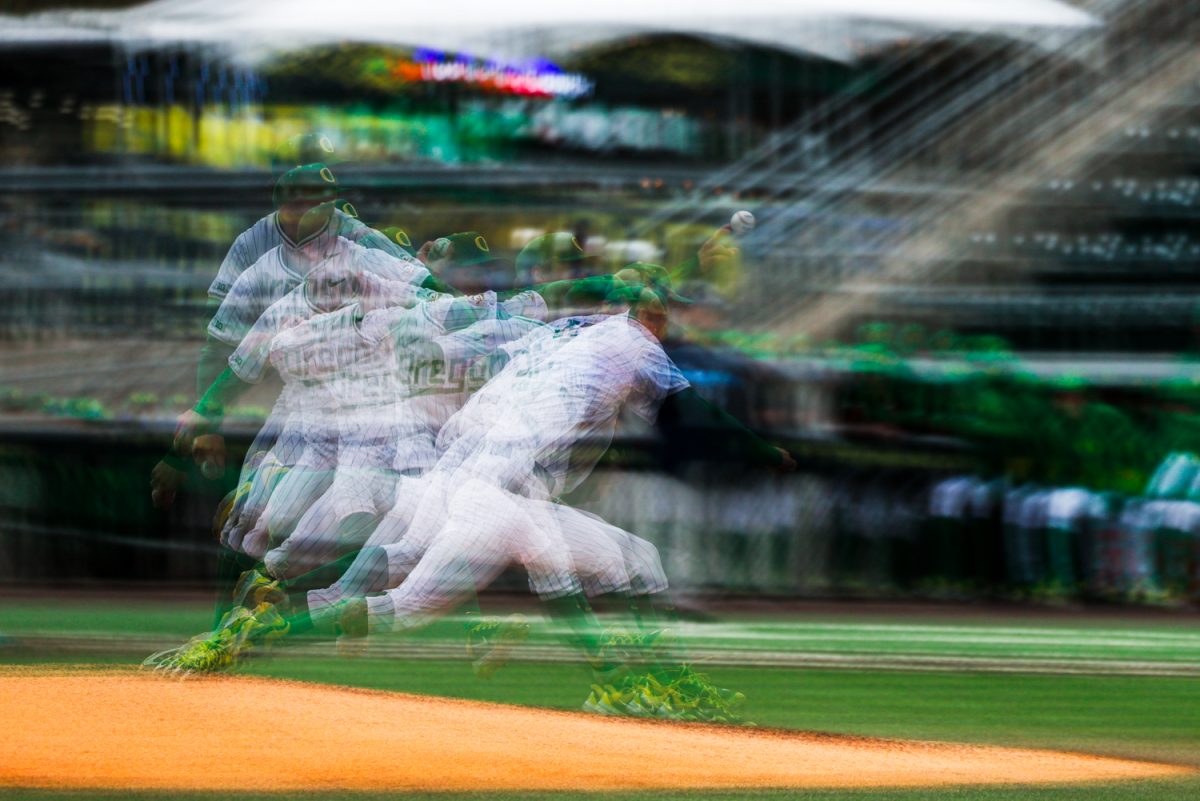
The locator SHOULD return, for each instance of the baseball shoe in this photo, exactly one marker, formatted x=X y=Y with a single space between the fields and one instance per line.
x=683 y=695
x=212 y=654
x=607 y=699
x=491 y=642
x=238 y=632
x=191 y=655
x=629 y=697
x=205 y=652
x=697 y=698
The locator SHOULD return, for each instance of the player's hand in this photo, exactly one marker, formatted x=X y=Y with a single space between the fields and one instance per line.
x=164 y=485
x=788 y=464
x=717 y=250
x=188 y=426
x=209 y=452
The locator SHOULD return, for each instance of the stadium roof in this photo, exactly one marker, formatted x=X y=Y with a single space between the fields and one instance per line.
x=838 y=29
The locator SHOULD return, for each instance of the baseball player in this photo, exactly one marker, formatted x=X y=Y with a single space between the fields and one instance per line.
x=305 y=221
x=293 y=162
x=387 y=394
x=336 y=283
x=512 y=444
x=517 y=441
x=280 y=271
x=565 y=407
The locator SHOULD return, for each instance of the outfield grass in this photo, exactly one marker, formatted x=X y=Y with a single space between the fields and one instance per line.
x=1144 y=717
x=1170 y=641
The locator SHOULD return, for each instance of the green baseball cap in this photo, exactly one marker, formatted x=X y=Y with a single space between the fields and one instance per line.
x=400 y=237
x=653 y=276
x=558 y=247
x=310 y=181
x=470 y=248
x=472 y=263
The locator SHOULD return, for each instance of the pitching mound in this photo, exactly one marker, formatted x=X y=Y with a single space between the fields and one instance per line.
x=132 y=730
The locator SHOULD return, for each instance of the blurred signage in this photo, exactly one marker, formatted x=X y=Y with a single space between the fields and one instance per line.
x=538 y=78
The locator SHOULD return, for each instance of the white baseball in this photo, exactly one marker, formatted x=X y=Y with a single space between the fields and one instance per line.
x=441 y=249
x=742 y=222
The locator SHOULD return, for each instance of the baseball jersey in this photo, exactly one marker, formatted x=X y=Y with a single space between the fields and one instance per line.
x=267 y=234
x=283 y=268
x=254 y=350
x=434 y=382
x=564 y=390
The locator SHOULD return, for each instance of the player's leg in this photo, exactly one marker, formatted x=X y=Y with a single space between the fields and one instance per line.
x=473 y=547
x=291 y=498
x=261 y=471
x=331 y=527
x=551 y=554
x=375 y=567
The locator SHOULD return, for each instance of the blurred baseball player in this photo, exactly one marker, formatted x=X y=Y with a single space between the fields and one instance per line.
x=387 y=393
x=278 y=229
x=311 y=241
x=514 y=446
x=264 y=483
x=510 y=449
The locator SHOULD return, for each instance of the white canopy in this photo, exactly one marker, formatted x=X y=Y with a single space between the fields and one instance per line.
x=837 y=29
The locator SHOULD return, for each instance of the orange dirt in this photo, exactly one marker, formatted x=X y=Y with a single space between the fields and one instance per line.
x=133 y=730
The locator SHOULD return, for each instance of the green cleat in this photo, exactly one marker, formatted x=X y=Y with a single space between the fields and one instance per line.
x=208 y=655
x=697 y=698
x=598 y=701
x=221 y=649
x=638 y=696
x=612 y=701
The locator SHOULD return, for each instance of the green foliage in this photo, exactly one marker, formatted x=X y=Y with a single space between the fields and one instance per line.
x=78 y=408
x=143 y=400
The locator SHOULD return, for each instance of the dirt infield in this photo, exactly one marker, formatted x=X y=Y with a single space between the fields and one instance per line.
x=132 y=730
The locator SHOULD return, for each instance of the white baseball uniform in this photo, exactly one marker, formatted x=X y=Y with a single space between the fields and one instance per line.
x=391 y=393
x=276 y=273
x=518 y=439
x=308 y=434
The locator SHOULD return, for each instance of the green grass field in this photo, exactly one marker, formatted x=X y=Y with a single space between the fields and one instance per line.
x=1111 y=686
